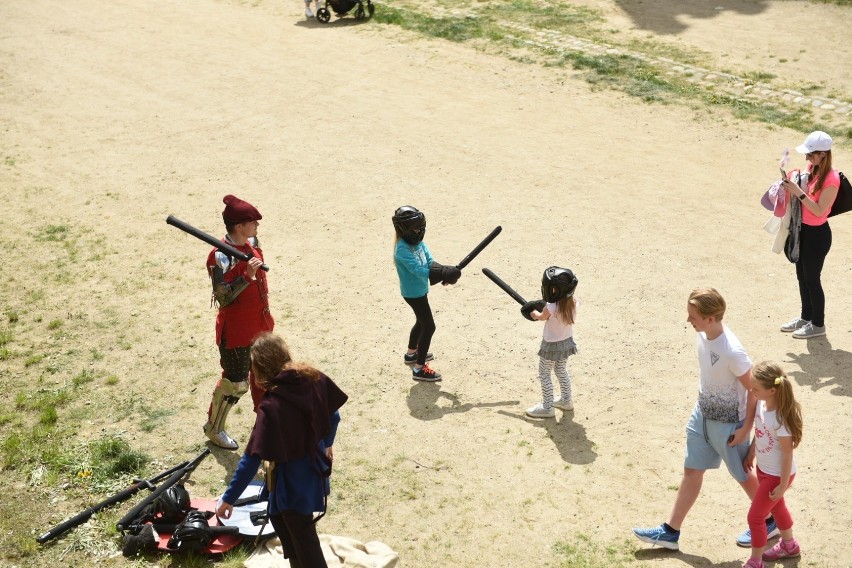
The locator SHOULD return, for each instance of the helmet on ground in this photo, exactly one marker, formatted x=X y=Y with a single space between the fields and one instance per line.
x=173 y=504
x=192 y=534
x=557 y=283
x=410 y=224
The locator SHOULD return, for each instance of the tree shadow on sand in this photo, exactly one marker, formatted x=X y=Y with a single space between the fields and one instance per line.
x=651 y=554
x=568 y=436
x=423 y=404
x=823 y=367
x=666 y=16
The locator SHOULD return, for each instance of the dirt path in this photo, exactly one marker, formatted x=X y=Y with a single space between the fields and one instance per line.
x=116 y=114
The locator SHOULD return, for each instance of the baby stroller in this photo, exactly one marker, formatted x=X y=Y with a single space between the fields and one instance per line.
x=342 y=7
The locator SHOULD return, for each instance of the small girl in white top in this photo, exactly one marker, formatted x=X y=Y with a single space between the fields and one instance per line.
x=777 y=431
x=557 y=310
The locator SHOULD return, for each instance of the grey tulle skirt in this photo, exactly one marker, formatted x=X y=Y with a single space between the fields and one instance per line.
x=557 y=350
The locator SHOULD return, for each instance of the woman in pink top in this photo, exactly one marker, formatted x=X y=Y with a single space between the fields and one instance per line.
x=816 y=196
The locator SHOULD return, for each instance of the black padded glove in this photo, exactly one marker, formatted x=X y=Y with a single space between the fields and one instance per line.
x=436 y=273
x=527 y=309
x=451 y=274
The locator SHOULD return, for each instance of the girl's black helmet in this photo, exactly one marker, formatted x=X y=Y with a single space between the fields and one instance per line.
x=410 y=224
x=557 y=283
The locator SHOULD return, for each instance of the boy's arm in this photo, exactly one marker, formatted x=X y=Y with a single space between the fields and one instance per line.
x=741 y=434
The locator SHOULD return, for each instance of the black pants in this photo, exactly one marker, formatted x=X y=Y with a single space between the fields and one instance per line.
x=421 y=334
x=298 y=534
x=814 y=244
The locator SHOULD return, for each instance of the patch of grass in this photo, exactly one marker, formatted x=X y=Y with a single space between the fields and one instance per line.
x=52 y=233
x=48 y=416
x=153 y=418
x=452 y=28
x=83 y=377
x=583 y=552
x=43 y=446
x=113 y=456
x=800 y=119
x=40 y=400
x=673 y=52
x=12 y=316
x=55 y=324
x=576 y=20
x=5 y=337
x=758 y=76
x=33 y=360
x=35 y=296
x=7 y=418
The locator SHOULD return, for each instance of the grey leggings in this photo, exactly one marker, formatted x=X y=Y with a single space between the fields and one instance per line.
x=545 y=367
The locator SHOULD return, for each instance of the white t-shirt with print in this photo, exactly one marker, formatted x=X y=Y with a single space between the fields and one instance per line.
x=555 y=328
x=767 y=430
x=721 y=396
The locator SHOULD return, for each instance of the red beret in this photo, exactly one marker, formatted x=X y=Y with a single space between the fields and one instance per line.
x=238 y=211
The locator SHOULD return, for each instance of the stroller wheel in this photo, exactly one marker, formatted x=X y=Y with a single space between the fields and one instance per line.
x=359 y=13
x=323 y=15
x=371 y=9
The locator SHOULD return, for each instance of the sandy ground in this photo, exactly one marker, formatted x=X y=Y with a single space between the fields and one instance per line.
x=116 y=114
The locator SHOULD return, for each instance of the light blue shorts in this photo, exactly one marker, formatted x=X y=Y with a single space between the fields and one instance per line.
x=707 y=446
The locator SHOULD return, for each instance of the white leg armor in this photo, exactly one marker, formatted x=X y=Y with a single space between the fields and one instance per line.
x=225 y=396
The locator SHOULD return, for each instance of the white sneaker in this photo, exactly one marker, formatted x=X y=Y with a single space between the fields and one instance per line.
x=809 y=330
x=221 y=439
x=793 y=325
x=539 y=411
x=566 y=405
x=308 y=13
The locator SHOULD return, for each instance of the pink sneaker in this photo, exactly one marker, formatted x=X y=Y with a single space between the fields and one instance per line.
x=783 y=549
x=754 y=563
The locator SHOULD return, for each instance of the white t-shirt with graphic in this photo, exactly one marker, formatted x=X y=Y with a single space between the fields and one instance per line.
x=555 y=328
x=721 y=396
x=767 y=430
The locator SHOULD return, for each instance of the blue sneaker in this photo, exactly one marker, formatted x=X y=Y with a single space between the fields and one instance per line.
x=659 y=536
x=744 y=539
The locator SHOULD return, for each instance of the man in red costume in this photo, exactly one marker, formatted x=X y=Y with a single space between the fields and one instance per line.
x=240 y=290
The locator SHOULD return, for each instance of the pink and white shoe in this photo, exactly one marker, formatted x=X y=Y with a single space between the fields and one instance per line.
x=782 y=549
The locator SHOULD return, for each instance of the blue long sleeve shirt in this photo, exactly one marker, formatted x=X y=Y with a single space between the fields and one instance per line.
x=412 y=266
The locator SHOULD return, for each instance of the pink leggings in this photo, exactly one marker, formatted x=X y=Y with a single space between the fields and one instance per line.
x=763 y=505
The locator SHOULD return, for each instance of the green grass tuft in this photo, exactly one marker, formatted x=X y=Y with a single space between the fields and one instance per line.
x=583 y=552
x=456 y=29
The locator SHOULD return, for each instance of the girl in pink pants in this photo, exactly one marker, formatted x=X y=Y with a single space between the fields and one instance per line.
x=777 y=431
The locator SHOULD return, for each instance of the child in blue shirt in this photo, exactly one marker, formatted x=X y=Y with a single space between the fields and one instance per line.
x=417 y=270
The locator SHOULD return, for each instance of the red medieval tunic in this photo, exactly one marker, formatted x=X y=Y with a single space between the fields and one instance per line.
x=238 y=323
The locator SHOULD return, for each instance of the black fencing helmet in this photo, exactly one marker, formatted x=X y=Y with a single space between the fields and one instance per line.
x=192 y=534
x=410 y=224
x=173 y=504
x=557 y=283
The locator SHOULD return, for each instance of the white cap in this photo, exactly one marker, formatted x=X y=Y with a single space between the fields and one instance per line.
x=817 y=141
